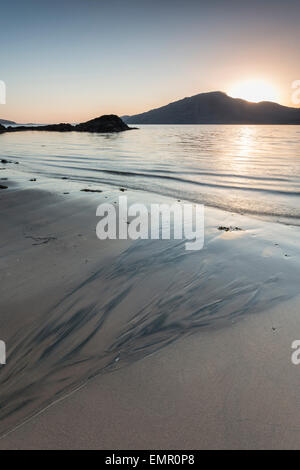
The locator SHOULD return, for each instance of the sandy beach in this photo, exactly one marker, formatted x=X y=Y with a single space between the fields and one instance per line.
x=150 y=227
x=142 y=344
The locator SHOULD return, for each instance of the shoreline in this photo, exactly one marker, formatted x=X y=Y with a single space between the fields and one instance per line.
x=68 y=185
x=137 y=300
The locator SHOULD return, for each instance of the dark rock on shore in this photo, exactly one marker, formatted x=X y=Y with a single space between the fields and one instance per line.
x=56 y=128
x=106 y=123
x=230 y=229
x=49 y=128
x=91 y=190
x=102 y=124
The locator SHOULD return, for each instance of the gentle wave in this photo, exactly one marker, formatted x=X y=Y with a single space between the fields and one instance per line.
x=247 y=169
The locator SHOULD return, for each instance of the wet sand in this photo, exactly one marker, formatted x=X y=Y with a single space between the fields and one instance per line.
x=230 y=388
x=191 y=348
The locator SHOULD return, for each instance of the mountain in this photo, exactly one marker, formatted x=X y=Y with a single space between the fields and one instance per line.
x=4 y=122
x=217 y=108
x=107 y=123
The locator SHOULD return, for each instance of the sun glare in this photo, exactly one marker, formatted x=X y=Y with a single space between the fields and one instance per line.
x=254 y=90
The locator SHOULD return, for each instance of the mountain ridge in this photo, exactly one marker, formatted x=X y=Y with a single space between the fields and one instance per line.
x=5 y=122
x=217 y=108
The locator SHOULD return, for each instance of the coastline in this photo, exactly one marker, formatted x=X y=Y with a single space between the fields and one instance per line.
x=85 y=308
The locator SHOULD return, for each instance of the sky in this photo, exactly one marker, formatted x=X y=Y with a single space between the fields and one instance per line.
x=72 y=60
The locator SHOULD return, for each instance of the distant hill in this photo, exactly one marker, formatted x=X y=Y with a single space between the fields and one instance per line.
x=4 y=122
x=217 y=108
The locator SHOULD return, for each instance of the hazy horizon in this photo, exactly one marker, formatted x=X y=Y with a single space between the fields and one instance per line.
x=73 y=61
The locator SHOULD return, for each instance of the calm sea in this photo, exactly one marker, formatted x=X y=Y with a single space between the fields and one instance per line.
x=246 y=169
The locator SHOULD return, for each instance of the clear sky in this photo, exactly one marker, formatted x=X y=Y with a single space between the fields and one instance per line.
x=71 y=60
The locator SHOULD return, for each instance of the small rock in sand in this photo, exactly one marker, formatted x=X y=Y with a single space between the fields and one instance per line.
x=229 y=229
x=3 y=187
x=91 y=190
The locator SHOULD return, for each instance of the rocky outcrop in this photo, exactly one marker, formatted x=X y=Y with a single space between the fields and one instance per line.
x=106 y=123
x=102 y=124
x=51 y=127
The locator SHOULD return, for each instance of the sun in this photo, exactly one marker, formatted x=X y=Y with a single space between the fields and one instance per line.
x=254 y=90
